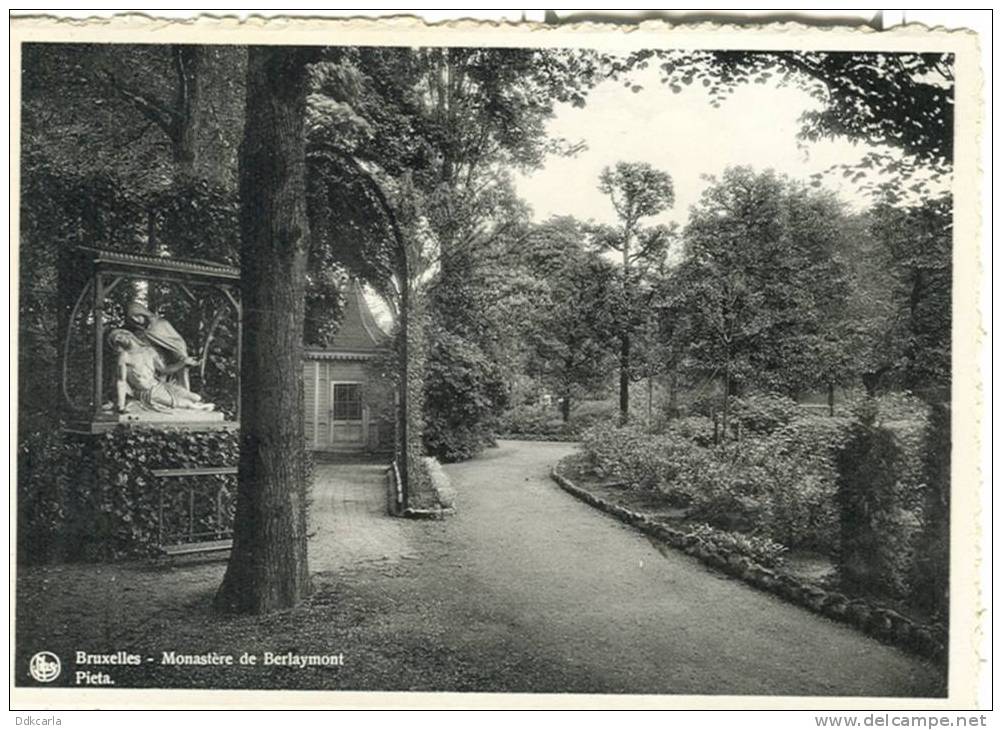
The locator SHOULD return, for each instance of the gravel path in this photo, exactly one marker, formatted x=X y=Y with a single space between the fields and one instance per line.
x=589 y=604
x=525 y=589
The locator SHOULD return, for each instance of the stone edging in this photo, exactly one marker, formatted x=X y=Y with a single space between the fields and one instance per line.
x=877 y=621
x=410 y=512
x=556 y=438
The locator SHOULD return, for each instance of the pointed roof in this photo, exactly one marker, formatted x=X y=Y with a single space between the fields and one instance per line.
x=358 y=331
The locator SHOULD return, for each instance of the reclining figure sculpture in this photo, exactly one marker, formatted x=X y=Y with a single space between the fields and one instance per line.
x=142 y=373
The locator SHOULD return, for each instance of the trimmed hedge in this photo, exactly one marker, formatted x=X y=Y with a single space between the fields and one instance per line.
x=95 y=498
x=882 y=502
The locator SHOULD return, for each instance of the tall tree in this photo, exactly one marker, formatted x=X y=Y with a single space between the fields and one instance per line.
x=445 y=125
x=572 y=330
x=179 y=117
x=761 y=287
x=919 y=242
x=637 y=191
x=96 y=169
x=268 y=569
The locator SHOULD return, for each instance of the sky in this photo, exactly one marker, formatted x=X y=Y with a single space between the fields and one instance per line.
x=683 y=135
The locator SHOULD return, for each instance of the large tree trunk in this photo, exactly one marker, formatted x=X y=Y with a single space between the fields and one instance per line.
x=268 y=568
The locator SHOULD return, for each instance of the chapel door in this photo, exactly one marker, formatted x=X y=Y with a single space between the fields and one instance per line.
x=347 y=416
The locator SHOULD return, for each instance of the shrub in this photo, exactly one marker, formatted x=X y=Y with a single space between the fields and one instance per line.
x=770 y=486
x=545 y=421
x=698 y=429
x=784 y=485
x=763 y=413
x=589 y=414
x=890 y=406
x=540 y=420
x=464 y=393
x=629 y=453
x=877 y=498
x=722 y=492
x=760 y=549
x=814 y=437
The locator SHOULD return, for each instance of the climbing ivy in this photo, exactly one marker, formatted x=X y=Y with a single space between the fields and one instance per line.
x=95 y=497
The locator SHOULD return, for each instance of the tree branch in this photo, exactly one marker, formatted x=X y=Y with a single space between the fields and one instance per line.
x=164 y=117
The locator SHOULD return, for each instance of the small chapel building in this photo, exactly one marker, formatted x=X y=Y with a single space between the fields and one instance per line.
x=350 y=402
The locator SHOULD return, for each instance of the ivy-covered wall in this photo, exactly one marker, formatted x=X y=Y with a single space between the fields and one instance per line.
x=410 y=450
x=94 y=497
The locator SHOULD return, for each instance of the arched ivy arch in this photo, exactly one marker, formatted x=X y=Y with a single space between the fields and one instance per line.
x=352 y=215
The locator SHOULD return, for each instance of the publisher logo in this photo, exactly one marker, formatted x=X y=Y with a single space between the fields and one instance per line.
x=44 y=667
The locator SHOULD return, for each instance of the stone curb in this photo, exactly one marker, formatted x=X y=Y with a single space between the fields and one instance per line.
x=537 y=437
x=415 y=514
x=880 y=622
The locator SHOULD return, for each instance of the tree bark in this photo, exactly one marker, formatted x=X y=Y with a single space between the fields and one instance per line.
x=565 y=407
x=673 y=394
x=624 y=341
x=624 y=377
x=188 y=105
x=725 y=415
x=268 y=566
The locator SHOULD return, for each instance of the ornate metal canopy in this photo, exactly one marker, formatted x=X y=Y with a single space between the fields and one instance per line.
x=98 y=275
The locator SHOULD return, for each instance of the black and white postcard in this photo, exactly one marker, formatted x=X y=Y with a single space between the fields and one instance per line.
x=583 y=365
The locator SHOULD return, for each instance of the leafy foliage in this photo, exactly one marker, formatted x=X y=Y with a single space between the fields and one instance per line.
x=637 y=191
x=434 y=128
x=468 y=390
x=779 y=486
x=879 y=503
x=572 y=330
x=902 y=100
x=930 y=580
x=763 y=413
x=631 y=454
x=759 y=296
x=95 y=498
x=144 y=114
x=919 y=240
x=760 y=549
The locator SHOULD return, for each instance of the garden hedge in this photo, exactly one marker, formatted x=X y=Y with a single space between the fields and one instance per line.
x=94 y=497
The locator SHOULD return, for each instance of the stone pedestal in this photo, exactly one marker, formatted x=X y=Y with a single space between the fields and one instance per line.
x=191 y=420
